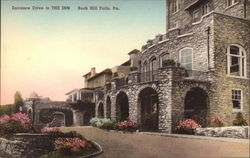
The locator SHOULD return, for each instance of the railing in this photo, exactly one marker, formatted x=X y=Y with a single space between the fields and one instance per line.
x=198 y=75
x=121 y=82
x=149 y=76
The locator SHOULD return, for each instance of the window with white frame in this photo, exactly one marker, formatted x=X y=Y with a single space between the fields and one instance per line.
x=175 y=6
x=231 y=2
x=236 y=61
x=186 y=58
x=164 y=57
x=237 y=99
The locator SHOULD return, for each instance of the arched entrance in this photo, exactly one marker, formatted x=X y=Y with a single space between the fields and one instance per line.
x=122 y=107
x=148 y=100
x=100 y=111
x=86 y=118
x=108 y=107
x=196 y=105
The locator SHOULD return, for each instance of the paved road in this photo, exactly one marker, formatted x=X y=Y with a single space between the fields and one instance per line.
x=120 y=145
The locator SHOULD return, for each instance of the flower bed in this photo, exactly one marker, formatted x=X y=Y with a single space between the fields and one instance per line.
x=108 y=124
x=187 y=126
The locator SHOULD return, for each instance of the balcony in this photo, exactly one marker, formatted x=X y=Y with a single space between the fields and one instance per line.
x=149 y=76
x=196 y=75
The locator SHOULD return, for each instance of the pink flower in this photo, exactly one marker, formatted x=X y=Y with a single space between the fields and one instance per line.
x=22 y=117
x=50 y=129
x=4 y=119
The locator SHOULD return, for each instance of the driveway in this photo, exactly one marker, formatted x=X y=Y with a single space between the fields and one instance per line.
x=120 y=145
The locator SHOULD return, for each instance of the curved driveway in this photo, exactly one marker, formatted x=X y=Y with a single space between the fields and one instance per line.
x=120 y=145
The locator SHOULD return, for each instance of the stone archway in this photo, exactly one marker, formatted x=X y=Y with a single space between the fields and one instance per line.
x=100 y=111
x=196 y=105
x=108 y=107
x=149 y=105
x=122 y=106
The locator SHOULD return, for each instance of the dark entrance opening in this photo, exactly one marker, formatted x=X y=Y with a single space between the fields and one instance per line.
x=86 y=118
x=122 y=107
x=100 y=111
x=148 y=99
x=108 y=107
x=196 y=104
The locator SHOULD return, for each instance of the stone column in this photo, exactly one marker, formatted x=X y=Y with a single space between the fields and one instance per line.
x=113 y=105
x=77 y=118
x=133 y=104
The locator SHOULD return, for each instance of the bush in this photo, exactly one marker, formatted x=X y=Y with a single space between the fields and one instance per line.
x=187 y=126
x=15 y=123
x=102 y=123
x=239 y=120
x=216 y=122
x=127 y=126
x=168 y=62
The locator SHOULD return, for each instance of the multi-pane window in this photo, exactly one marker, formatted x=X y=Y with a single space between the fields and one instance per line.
x=237 y=99
x=164 y=57
x=236 y=61
x=175 y=5
x=186 y=58
x=231 y=2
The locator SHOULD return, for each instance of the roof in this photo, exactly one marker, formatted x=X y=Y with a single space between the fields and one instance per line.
x=127 y=63
x=71 y=91
x=135 y=51
x=86 y=74
x=106 y=71
x=195 y=4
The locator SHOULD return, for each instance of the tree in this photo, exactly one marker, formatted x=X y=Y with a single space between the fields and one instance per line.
x=18 y=100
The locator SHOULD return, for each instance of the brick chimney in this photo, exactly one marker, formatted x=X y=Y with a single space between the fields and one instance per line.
x=92 y=72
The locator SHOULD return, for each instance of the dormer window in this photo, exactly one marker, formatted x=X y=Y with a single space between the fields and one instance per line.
x=231 y=2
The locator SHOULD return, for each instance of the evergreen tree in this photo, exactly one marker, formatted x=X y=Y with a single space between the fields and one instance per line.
x=18 y=101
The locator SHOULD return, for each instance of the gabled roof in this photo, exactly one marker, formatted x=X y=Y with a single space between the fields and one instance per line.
x=86 y=74
x=127 y=63
x=135 y=51
x=106 y=71
x=71 y=91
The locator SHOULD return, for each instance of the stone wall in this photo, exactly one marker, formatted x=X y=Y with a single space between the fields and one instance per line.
x=229 y=30
x=230 y=132
x=27 y=145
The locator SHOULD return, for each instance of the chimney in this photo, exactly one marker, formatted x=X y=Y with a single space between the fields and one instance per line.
x=92 y=72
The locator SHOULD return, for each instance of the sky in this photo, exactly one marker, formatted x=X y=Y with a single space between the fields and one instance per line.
x=48 y=51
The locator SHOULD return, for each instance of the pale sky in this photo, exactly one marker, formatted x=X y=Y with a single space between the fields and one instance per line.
x=48 y=51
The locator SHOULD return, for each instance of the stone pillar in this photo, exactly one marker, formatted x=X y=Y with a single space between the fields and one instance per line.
x=166 y=78
x=113 y=105
x=77 y=118
x=134 y=114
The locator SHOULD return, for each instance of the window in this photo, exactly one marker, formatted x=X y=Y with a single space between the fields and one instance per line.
x=231 y=2
x=174 y=25
x=236 y=61
x=206 y=8
x=186 y=58
x=163 y=58
x=175 y=6
x=196 y=16
x=237 y=99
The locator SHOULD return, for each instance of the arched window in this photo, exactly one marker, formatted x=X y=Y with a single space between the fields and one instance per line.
x=164 y=57
x=186 y=58
x=236 y=61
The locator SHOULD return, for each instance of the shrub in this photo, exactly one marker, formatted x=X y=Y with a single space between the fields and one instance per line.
x=7 y=109
x=50 y=129
x=239 y=120
x=133 y=68
x=15 y=123
x=127 y=126
x=168 y=62
x=187 y=126
x=216 y=122
x=102 y=123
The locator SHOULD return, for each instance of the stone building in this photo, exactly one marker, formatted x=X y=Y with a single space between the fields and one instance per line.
x=198 y=69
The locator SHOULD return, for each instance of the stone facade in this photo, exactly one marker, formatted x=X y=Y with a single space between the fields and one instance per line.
x=27 y=145
x=208 y=38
